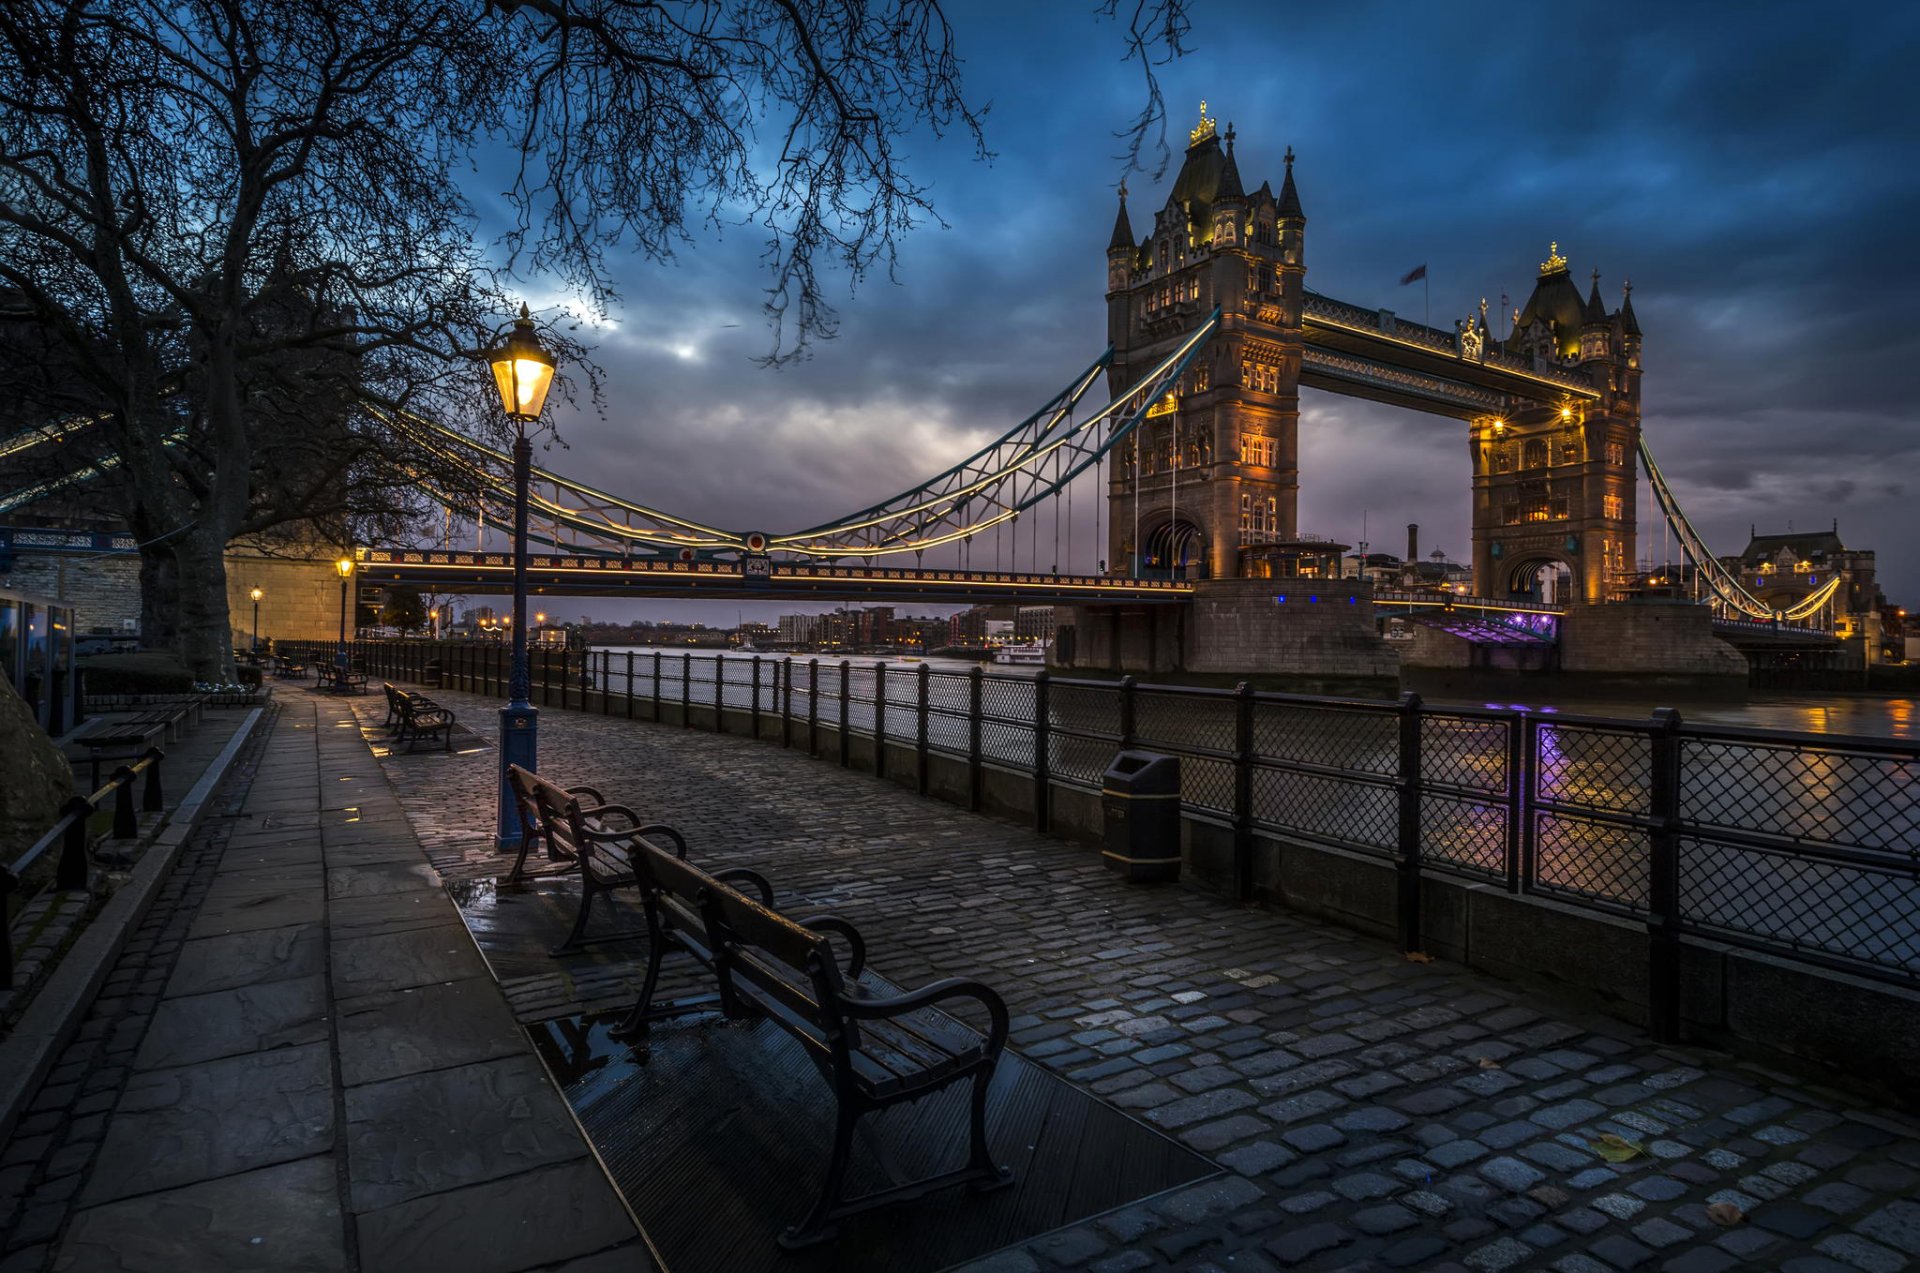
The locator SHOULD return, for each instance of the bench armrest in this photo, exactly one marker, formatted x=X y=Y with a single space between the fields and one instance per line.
x=856 y=945
x=600 y=811
x=587 y=791
x=938 y=992
x=759 y=882
x=679 y=841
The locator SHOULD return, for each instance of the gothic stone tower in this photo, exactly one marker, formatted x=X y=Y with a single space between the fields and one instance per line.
x=1215 y=465
x=1553 y=486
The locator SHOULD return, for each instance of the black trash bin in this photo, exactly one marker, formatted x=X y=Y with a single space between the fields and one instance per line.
x=430 y=674
x=1140 y=797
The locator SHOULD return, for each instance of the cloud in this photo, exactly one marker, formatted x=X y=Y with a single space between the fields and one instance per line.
x=1751 y=176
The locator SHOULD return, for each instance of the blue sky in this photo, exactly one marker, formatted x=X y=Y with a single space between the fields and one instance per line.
x=1749 y=167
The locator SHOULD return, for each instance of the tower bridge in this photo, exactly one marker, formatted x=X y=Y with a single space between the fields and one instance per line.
x=1192 y=469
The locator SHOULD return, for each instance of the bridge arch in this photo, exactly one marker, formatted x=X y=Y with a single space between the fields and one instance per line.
x=1174 y=548
x=1551 y=578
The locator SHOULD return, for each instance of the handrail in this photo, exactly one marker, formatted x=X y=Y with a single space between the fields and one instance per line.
x=71 y=834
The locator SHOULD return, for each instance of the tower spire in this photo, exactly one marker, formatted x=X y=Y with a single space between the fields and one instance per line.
x=1289 y=196
x=1122 y=228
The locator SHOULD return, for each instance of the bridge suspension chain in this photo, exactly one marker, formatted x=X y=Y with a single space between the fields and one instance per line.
x=1725 y=584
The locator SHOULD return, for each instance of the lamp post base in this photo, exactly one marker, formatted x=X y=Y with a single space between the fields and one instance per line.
x=519 y=745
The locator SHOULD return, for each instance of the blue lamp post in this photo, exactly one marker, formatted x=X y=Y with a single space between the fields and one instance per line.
x=523 y=371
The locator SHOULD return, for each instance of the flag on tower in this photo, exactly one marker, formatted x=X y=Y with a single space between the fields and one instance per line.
x=1414 y=275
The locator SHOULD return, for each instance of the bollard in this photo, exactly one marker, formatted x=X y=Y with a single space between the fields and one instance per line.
x=151 y=798
x=71 y=872
x=126 y=823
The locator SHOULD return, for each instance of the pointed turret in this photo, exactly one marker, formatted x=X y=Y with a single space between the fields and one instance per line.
x=1289 y=196
x=1596 y=308
x=1122 y=228
x=1628 y=322
x=1230 y=187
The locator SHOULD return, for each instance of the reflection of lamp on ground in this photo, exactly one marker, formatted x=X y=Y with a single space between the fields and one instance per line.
x=523 y=372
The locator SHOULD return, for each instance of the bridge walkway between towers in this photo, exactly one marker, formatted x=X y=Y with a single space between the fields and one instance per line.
x=1364 y=1107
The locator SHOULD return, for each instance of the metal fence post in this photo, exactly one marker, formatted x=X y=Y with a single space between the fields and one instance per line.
x=126 y=823
x=879 y=720
x=920 y=735
x=719 y=694
x=1243 y=791
x=686 y=691
x=1409 y=831
x=71 y=871
x=786 y=702
x=975 y=679
x=657 y=656
x=753 y=713
x=629 y=684
x=1519 y=779
x=1042 y=778
x=846 y=736
x=1663 y=880
x=813 y=706
x=151 y=798
x=1127 y=731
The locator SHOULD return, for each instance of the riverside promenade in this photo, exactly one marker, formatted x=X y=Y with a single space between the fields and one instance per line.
x=305 y=1065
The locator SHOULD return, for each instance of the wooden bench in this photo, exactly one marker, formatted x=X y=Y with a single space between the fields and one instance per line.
x=289 y=669
x=874 y=1052
x=102 y=736
x=596 y=838
x=332 y=678
x=412 y=717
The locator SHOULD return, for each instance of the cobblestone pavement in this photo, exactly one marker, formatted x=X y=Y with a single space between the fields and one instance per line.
x=1370 y=1112
x=300 y=1063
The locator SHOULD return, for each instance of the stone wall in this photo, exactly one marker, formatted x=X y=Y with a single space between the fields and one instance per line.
x=1312 y=632
x=302 y=601
x=103 y=591
x=1654 y=645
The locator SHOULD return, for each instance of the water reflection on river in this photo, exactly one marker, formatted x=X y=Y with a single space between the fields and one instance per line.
x=1870 y=717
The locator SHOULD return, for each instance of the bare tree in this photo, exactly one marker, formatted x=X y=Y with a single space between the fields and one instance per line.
x=240 y=230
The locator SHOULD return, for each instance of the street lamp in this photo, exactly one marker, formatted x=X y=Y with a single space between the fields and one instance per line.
x=345 y=567
x=523 y=372
x=256 y=594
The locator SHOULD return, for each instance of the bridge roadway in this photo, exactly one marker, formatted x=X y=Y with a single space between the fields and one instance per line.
x=591 y=574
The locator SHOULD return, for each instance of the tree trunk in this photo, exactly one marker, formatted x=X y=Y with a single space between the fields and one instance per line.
x=205 y=634
x=159 y=597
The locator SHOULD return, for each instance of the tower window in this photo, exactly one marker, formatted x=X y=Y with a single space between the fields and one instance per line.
x=1617 y=453
x=1612 y=507
x=1261 y=376
x=1534 y=454
x=1256 y=450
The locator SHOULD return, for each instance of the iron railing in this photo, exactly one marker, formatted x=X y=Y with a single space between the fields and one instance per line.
x=1802 y=845
x=72 y=835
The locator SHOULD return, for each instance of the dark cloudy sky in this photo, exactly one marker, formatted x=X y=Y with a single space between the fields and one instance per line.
x=1751 y=168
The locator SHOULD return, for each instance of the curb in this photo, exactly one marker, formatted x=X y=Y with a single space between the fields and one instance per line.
x=53 y=1018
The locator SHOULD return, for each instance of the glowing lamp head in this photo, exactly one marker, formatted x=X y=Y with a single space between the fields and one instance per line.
x=1566 y=413
x=256 y=594
x=344 y=566
x=540 y=616
x=522 y=370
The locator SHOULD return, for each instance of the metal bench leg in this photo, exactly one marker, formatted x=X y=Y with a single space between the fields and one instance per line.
x=635 y=1024
x=980 y=1157
x=579 y=932
x=815 y=1228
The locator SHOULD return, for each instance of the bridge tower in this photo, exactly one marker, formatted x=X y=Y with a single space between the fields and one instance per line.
x=1215 y=466
x=1553 y=485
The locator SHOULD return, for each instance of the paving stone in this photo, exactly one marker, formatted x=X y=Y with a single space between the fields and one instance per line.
x=1363 y=1185
x=402 y=960
x=1704 y=1259
x=1313 y=1138
x=1374 y=1118
x=1456 y=1153
x=1304 y=1243
x=1379 y=1221
x=285 y=1217
x=1304 y=1203
x=1854 y=1250
x=1791 y=1220
x=251 y=1018
x=175 y=1127
x=429 y=1133
x=1071 y=1248
x=1257 y=1158
x=1896 y=1225
x=1619 y=1251
x=1555 y=1156
x=1511 y=1174
x=1215 y=1198
x=269 y=954
x=1306 y=1105
x=1660 y=1232
x=1418 y=1252
x=1502 y=1253
x=1209 y=1137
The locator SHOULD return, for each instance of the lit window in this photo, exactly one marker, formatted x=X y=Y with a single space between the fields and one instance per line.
x=1616 y=453
x=1612 y=507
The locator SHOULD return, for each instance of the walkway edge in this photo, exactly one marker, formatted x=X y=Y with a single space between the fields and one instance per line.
x=53 y=1018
